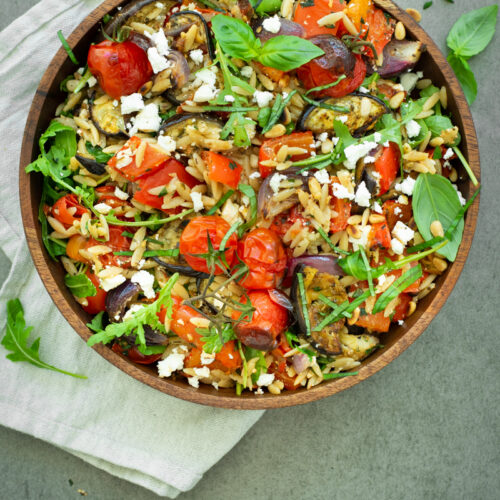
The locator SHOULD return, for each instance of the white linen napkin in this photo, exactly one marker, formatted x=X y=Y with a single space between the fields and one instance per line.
x=110 y=420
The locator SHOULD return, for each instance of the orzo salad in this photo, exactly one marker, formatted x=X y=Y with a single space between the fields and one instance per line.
x=251 y=194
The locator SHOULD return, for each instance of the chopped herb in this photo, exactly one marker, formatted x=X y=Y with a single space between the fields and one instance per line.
x=111 y=219
x=325 y=236
x=80 y=285
x=368 y=270
x=278 y=107
x=221 y=201
x=170 y=252
x=466 y=165
x=328 y=376
x=97 y=153
x=67 y=48
x=248 y=191
x=303 y=303
x=427 y=4
x=327 y=86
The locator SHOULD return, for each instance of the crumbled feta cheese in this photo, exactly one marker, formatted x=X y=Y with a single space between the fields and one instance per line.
x=115 y=103
x=323 y=137
x=386 y=144
x=363 y=90
x=108 y=284
x=342 y=118
x=229 y=98
x=377 y=208
x=172 y=363
x=197 y=203
x=401 y=322
x=161 y=42
x=402 y=232
x=148 y=120
x=103 y=208
x=246 y=71
x=397 y=247
x=275 y=181
x=322 y=176
x=145 y=280
x=205 y=76
x=397 y=210
x=341 y=192
x=335 y=140
x=199 y=373
x=167 y=143
x=262 y=98
x=412 y=128
x=363 y=196
x=381 y=279
x=377 y=136
x=284 y=94
x=205 y=93
x=206 y=358
x=131 y=103
x=406 y=186
x=356 y=151
x=259 y=391
x=132 y=310
x=254 y=175
x=363 y=240
x=265 y=379
x=272 y=24
x=369 y=159
x=158 y=62
x=448 y=154
x=159 y=5
x=196 y=56
x=463 y=201
x=122 y=195
x=92 y=81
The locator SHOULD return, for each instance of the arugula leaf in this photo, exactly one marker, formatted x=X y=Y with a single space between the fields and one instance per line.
x=398 y=286
x=97 y=153
x=16 y=340
x=427 y=4
x=80 y=285
x=248 y=191
x=436 y=124
x=215 y=339
x=235 y=37
x=434 y=198
x=473 y=31
x=465 y=76
x=96 y=324
x=135 y=324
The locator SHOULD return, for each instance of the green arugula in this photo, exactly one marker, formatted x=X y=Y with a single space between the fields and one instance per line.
x=469 y=36
x=111 y=219
x=16 y=340
x=148 y=315
x=80 y=285
x=97 y=153
x=214 y=338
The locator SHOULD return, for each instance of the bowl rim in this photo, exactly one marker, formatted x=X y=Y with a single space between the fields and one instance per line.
x=218 y=398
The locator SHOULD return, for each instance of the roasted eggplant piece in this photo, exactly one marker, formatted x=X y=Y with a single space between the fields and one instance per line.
x=241 y=9
x=140 y=11
x=172 y=78
x=323 y=263
x=119 y=298
x=181 y=22
x=357 y=347
x=365 y=172
x=287 y=28
x=94 y=167
x=362 y=112
x=399 y=56
x=205 y=126
x=325 y=341
x=107 y=117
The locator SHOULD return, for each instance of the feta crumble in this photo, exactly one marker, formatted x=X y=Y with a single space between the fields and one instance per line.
x=246 y=71
x=448 y=154
x=363 y=90
x=131 y=103
x=160 y=41
x=254 y=175
x=262 y=98
x=132 y=310
x=341 y=192
x=356 y=151
x=103 y=208
x=173 y=362
x=206 y=358
x=275 y=181
x=397 y=210
x=463 y=201
x=91 y=82
x=412 y=129
x=363 y=196
x=122 y=195
x=197 y=203
x=196 y=56
x=205 y=93
x=363 y=240
x=148 y=120
x=272 y=24
x=205 y=76
x=167 y=143
x=397 y=247
x=377 y=208
x=377 y=136
x=158 y=62
x=194 y=381
x=406 y=186
x=402 y=232
x=229 y=98
x=108 y=284
x=145 y=280
x=265 y=379
x=322 y=176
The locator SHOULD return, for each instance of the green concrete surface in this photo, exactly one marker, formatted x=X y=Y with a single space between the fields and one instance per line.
x=425 y=427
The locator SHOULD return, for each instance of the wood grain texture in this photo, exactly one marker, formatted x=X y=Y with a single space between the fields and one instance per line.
x=46 y=99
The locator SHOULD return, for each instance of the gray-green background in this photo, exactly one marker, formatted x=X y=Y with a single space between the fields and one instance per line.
x=426 y=426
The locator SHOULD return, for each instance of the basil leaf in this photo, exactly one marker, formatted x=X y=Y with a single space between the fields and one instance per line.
x=465 y=76
x=434 y=198
x=437 y=123
x=286 y=52
x=473 y=31
x=80 y=285
x=398 y=286
x=235 y=37
x=268 y=7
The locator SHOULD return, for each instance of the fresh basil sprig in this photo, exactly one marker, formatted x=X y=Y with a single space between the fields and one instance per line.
x=282 y=52
x=469 y=36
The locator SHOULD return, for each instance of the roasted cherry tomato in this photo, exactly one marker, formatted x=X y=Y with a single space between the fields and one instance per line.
x=313 y=75
x=97 y=303
x=270 y=147
x=222 y=169
x=308 y=15
x=118 y=243
x=162 y=177
x=379 y=30
x=228 y=359
x=121 y=68
x=374 y=322
x=135 y=355
x=262 y=251
x=268 y=321
x=76 y=243
x=401 y=311
x=67 y=209
x=125 y=162
x=194 y=243
x=387 y=165
x=341 y=208
x=106 y=194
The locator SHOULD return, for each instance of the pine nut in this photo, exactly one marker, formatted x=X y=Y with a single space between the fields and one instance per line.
x=354 y=232
x=277 y=131
x=396 y=100
x=437 y=228
x=439 y=264
x=332 y=18
x=415 y=14
x=436 y=142
x=366 y=106
x=354 y=219
x=453 y=176
x=349 y=25
x=411 y=308
x=424 y=83
x=355 y=316
x=400 y=31
x=443 y=97
x=376 y=218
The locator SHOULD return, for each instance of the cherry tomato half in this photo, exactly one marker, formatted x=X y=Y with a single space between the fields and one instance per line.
x=387 y=165
x=269 y=319
x=97 y=303
x=262 y=251
x=308 y=16
x=118 y=243
x=76 y=243
x=121 y=68
x=194 y=243
x=135 y=355
x=67 y=209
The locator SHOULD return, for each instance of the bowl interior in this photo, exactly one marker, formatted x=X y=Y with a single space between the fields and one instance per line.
x=45 y=102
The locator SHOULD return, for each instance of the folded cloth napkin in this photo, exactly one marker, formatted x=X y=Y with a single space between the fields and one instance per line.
x=110 y=420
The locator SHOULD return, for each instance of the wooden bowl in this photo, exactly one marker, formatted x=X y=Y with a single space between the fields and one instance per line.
x=47 y=98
